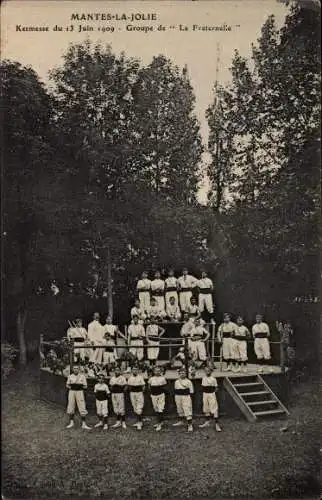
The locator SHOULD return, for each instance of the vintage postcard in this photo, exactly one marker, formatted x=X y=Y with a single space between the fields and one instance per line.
x=160 y=240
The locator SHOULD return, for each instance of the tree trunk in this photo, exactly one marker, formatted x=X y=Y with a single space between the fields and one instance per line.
x=21 y=320
x=109 y=283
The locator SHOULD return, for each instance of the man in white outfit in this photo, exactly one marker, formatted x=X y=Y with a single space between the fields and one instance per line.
x=171 y=290
x=186 y=283
x=157 y=290
x=206 y=288
x=96 y=337
x=144 y=288
x=78 y=335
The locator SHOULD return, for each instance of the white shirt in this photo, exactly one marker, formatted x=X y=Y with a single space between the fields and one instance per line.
x=157 y=381
x=171 y=282
x=144 y=284
x=193 y=309
x=260 y=328
x=187 y=328
x=173 y=311
x=136 y=331
x=152 y=331
x=155 y=311
x=135 y=380
x=209 y=381
x=137 y=311
x=184 y=383
x=120 y=380
x=205 y=283
x=198 y=331
x=157 y=284
x=187 y=281
x=110 y=329
x=77 y=331
x=96 y=332
x=101 y=387
x=242 y=331
x=76 y=379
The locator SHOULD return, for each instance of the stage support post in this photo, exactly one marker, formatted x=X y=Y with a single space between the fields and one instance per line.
x=186 y=355
x=282 y=357
x=213 y=328
x=71 y=356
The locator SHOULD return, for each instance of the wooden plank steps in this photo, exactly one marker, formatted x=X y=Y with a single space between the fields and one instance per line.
x=254 y=385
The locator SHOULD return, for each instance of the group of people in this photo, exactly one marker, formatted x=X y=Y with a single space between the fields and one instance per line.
x=135 y=384
x=106 y=344
x=170 y=298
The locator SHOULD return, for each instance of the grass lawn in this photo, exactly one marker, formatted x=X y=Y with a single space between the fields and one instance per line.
x=41 y=459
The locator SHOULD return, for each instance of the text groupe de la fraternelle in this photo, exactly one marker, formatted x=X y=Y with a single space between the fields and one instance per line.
x=122 y=17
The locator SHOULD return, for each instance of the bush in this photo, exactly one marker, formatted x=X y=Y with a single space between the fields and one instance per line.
x=8 y=354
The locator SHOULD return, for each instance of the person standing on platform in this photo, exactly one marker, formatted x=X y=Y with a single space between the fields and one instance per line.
x=261 y=335
x=111 y=335
x=186 y=283
x=96 y=337
x=197 y=342
x=171 y=290
x=157 y=290
x=239 y=344
x=206 y=288
x=153 y=334
x=144 y=288
x=225 y=333
x=136 y=333
x=78 y=335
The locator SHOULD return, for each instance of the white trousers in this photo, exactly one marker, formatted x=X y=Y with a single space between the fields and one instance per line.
x=185 y=300
x=109 y=357
x=168 y=296
x=79 y=352
x=158 y=402
x=210 y=405
x=118 y=402
x=102 y=408
x=97 y=355
x=184 y=405
x=76 y=399
x=227 y=349
x=137 y=402
x=205 y=302
x=144 y=298
x=197 y=349
x=137 y=351
x=239 y=348
x=153 y=352
x=262 y=349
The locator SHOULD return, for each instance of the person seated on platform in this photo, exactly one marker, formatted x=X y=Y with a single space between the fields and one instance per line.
x=157 y=290
x=154 y=311
x=225 y=333
x=261 y=333
x=193 y=309
x=138 y=311
x=186 y=283
x=78 y=335
x=153 y=334
x=96 y=337
x=76 y=384
x=136 y=336
x=144 y=288
x=178 y=361
x=239 y=344
x=205 y=301
x=197 y=339
x=173 y=312
x=171 y=290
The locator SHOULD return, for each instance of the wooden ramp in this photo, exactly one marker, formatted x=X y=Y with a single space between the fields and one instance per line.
x=254 y=397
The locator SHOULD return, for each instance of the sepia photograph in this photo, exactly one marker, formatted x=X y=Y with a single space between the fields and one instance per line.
x=160 y=238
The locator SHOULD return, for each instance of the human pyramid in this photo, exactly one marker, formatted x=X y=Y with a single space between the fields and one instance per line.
x=158 y=301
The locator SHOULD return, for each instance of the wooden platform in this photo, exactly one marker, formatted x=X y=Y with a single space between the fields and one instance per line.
x=53 y=390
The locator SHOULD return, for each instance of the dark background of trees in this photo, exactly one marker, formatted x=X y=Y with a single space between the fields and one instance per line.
x=100 y=181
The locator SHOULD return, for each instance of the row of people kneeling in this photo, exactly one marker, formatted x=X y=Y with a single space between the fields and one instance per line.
x=136 y=385
x=145 y=339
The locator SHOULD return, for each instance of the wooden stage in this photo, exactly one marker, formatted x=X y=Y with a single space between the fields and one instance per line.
x=53 y=389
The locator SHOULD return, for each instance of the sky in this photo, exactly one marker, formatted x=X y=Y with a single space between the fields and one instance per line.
x=193 y=47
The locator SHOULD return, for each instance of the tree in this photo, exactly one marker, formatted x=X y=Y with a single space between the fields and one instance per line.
x=26 y=148
x=168 y=138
